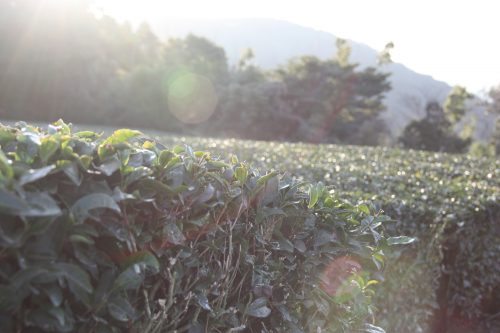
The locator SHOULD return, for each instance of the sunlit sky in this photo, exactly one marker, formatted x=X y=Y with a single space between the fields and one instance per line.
x=454 y=41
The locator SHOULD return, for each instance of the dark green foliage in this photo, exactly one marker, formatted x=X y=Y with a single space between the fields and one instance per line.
x=332 y=98
x=494 y=107
x=120 y=234
x=449 y=202
x=496 y=137
x=197 y=55
x=308 y=99
x=435 y=132
x=455 y=105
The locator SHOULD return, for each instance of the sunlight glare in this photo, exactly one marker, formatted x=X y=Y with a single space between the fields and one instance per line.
x=191 y=97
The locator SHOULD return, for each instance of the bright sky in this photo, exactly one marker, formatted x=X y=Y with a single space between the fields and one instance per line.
x=454 y=41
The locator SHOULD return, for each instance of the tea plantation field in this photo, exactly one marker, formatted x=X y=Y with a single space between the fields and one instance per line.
x=449 y=280
x=132 y=232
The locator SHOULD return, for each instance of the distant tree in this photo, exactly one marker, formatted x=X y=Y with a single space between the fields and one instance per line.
x=455 y=105
x=246 y=58
x=53 y=62
x=481 y=149
x=496 y=137
x=494 y=95
x=373 y=133
x=248 y=107
x=331 y=99
x=197 y=55
x=58 y=60
x=428 y=133
x=494 y=108
x=148 y=43
x=384 y=57
x=343 y=52
x=435 y=131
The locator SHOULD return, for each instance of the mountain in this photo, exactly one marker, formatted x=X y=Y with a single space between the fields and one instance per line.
x=274 y=42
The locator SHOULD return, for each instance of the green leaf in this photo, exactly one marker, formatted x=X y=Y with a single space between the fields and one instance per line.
x=39 y=226
x=315 y=193
x=6 y=134
x=285 y=245
x=264 y=179
x=25 y=276
x=258 y=308
x=40 y=204
x=266 y=192
x=401 y=240
x=121 y=135
x=138 y=173
x=58 y=313
x=85 y=161
x=81 y=239
x=121 y=309
x=81 y=209
x=165 y=157
x=87 y=135
x=144 y=258
x=48 y=148
x=203 y=301
x=11 y=204
x=61 y=127
x=109 y=166
x=300 y=245
x=378 y=259
x=196 y=327
x=53 y=319
x=74 y=274
x=364 y=208
x=35 y=174
x=218 y=164
x=54 y=293
x=5 y=166
x=173 y=163
x=73 y=173
x=241 y=174
x=369 y=328
x=173 y=234
x=129 y=279
x=158 y=186
x=12 y=238
x=206 y=195
x=179 y=149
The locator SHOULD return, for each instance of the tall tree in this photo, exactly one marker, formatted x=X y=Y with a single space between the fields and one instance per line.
x=198 y=55
x=494 y=107
x=455 y=105
x=437 y=130
x=332 y=98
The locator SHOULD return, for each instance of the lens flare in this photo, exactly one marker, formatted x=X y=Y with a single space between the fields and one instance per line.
x=191 y=98
x=335 y=279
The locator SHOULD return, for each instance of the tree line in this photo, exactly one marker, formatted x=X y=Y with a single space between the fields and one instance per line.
x=63 y=61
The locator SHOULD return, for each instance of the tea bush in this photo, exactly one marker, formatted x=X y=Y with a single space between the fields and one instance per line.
x=121 y=234
x=449 y=279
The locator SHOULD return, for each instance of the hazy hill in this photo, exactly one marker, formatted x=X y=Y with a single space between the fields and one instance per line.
x=274 y=42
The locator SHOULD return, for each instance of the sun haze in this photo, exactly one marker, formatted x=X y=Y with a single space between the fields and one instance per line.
x=451 y=40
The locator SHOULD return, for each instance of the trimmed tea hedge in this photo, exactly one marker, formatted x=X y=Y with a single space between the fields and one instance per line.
x=448 y=280
x=121 y=234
